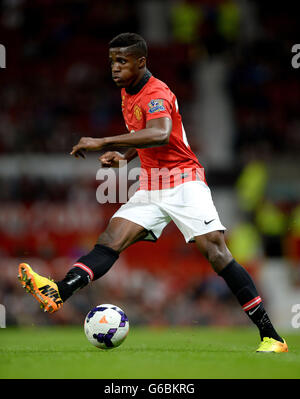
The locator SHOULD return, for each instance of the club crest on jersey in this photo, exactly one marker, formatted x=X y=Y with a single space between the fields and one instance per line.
x=156 y=106
x=137 y=112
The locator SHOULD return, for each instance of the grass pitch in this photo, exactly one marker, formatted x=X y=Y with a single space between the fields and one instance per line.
x=170 y=353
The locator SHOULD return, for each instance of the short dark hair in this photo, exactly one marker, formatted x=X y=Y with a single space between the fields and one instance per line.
x=136 y=42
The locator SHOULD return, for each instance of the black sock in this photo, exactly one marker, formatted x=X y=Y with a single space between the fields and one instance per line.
x=88 y=268
x=242 y=286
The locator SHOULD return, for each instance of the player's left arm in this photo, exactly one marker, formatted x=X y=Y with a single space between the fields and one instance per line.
x=156 y=133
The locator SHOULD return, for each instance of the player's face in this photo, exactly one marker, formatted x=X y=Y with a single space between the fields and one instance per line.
x=125 y=67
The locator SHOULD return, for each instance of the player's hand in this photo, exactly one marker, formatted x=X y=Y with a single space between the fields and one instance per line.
x=111 y=159
x=86 y=144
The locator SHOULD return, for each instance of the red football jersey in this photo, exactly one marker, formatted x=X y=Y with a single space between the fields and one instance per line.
x=167 y=165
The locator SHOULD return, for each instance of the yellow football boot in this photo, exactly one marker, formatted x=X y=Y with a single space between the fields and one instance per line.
x=43 y=289
x=270 y=345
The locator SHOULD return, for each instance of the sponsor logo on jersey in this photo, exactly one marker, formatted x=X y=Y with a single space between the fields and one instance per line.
x=156 y=106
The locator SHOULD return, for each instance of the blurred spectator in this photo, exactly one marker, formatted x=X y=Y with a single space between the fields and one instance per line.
x=186 y=19
x=272 y=224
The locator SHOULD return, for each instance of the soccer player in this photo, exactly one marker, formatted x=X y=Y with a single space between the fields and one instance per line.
x=172 y=187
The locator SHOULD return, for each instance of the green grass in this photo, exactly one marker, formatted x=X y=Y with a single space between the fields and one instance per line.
x=64 y=352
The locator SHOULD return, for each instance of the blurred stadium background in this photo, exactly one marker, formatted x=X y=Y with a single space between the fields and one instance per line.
x=229 y=63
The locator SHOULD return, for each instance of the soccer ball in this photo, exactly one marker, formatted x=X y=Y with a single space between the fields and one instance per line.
x=106 y=326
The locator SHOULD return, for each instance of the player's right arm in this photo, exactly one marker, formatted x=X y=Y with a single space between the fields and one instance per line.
x=112 y=158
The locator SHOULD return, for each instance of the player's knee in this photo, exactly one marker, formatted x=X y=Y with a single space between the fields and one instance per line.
x=215 y=256
x=213 y=247
x=219 y=257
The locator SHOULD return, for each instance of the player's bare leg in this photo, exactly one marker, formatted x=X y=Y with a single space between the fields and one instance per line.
x=119 y=234
x=213 y=247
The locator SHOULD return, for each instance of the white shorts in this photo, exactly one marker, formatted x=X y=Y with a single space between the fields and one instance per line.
x=189 y=205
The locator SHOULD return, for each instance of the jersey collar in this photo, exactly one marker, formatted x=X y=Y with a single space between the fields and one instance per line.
x=135 y=89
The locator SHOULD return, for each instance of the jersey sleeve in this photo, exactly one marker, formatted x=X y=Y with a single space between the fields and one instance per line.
x=157 y=104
